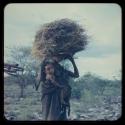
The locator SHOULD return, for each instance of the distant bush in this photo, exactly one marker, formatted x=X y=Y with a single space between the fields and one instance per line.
x=93 y=88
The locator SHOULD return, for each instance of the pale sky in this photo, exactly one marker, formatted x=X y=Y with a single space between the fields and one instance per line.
x=102 y=22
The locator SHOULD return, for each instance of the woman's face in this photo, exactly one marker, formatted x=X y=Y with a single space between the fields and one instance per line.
x=49 y=69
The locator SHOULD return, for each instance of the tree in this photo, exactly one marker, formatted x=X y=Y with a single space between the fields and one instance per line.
x=22 y=56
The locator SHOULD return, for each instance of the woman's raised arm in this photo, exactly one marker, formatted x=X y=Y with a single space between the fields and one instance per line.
x=76 y=72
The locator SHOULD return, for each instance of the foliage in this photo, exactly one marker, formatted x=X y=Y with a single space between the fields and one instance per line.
x=92 y=88
x=22 y=56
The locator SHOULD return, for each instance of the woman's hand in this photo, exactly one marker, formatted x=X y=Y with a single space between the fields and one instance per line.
x=67 y=56
x=70 y=58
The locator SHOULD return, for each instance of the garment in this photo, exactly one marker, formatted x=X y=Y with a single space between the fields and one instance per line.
x=51 y=105
x=50 y=102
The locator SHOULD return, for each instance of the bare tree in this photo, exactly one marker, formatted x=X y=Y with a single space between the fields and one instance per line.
x=22 y=56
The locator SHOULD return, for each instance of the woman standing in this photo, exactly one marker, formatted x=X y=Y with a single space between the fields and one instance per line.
x=51 y=104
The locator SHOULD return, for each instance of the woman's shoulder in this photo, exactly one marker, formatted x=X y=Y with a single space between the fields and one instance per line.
x=59 y=66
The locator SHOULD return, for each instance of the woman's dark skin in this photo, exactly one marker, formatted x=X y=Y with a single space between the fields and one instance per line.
x=76 y=73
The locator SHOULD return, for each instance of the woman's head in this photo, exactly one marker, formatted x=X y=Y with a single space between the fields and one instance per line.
x=49 y=68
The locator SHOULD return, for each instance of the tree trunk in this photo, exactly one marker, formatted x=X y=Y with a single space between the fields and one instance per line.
x=22 y=91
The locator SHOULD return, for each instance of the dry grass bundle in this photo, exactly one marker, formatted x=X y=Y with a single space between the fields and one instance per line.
x=59 y=37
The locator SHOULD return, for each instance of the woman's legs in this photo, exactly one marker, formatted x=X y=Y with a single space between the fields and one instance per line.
x=51 y=107
x=55 y=107
x=63 y=116
x=46 y=106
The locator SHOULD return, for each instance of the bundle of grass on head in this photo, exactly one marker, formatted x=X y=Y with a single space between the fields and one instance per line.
x=59 y=37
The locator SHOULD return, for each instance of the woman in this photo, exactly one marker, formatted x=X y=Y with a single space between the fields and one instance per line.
x=51 y=104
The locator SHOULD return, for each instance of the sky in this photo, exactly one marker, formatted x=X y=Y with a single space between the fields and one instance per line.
x=101 y=21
